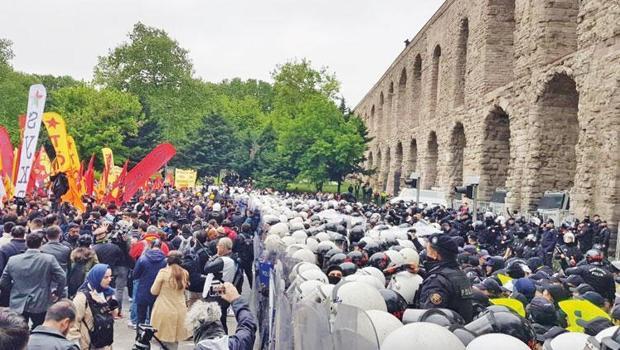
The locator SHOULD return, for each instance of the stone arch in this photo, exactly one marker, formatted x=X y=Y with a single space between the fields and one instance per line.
x=398 y=178
x=401 y=98
x=435 y=82
x=378 y=168
x=386 y=170
x=429 y=176
x=555 y=134
x=412 y=157
x=557 y=28
x=456 y=152
x=461 y=62
x=381 y=115
x=496 y=158
x=416 y=88
x=390 y=117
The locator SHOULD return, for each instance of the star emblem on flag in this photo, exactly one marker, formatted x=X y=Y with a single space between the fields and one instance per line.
x=52 y=123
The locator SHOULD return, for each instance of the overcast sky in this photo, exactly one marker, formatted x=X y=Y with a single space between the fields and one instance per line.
x=356 y=39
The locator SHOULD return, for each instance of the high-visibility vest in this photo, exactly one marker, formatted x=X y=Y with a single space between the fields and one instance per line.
x=578 y=309
x=513 y=304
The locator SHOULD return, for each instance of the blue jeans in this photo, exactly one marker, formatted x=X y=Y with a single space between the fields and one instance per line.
x=133 y=311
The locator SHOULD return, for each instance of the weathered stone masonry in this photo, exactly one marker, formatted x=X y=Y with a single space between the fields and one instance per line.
x=523 y=93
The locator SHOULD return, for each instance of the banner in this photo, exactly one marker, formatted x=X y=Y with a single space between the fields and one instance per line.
x=36 y=104
x=6 y=153
x=57 y=131
x=116 y=192
x=108 y=163
x=2 y=192
x=41 y=171
x=89 y=176
x=74 y=158
x=147 y=167
x=169 y=177
x=115 y=172
x=184 y=178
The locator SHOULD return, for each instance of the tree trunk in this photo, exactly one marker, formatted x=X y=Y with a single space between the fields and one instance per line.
x=338 y=188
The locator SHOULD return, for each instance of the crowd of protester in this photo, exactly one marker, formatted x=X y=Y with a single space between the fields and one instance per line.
x=66 y=275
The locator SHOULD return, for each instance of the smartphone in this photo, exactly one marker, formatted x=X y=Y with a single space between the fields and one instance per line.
x=216 y=289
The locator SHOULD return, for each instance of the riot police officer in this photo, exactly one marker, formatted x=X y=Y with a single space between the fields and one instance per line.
x=446 y=286
x=596 y=274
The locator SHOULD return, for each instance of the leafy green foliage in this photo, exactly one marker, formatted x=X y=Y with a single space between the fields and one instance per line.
x=144 y=92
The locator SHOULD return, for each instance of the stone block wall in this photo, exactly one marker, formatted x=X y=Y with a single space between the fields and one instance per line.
x=523 y=93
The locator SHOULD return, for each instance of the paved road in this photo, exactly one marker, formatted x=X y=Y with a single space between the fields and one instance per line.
x=124 y=336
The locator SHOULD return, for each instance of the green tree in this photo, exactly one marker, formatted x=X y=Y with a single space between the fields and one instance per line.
x=154 y=67
x=6 y=51
x=210 y=148
x=98 y=118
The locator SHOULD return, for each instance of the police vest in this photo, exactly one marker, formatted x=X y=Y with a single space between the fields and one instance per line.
x=461 y=294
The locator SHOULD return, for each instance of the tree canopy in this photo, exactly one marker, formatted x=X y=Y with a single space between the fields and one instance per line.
x=144 y=92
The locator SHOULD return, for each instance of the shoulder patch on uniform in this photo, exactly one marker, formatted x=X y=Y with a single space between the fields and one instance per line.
x=436 y=298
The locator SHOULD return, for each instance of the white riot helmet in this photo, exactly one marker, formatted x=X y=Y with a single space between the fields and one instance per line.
x=406 y=284
x=595 y=342
x=271 y=219
x=299 y=267
x=373 y=271
x=311 y=274
x=300 y=236
x=288 y=241
x=296 y=225
x=306 y=255
x=360 y=295
x=567 y=341
x=307 y=289
x=410 y=255
x=396 y=259
x=322 y=294
x=370 y=280
x=274 y=243
x=406 y=243
x=383 y=322
x=422 y=335
x=497 y=341
x=312 y=244
x=323 y=236
x=280 y=229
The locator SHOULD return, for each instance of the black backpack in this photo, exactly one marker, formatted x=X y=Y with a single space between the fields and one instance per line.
x=76 y=277
x=102 y=333
x=192 y=264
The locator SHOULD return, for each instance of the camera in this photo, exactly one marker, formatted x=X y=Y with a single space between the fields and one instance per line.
x=216 y=289
x=145 y=334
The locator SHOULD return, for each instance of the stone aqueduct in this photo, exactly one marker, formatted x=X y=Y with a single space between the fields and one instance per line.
x=523 y=93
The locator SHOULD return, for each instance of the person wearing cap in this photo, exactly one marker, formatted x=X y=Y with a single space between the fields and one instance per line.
x=445 y=286
x=491 y=288
x=542 y=314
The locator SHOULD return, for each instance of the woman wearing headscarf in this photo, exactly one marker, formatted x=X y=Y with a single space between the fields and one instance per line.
x=169 y=310
x=94 y=299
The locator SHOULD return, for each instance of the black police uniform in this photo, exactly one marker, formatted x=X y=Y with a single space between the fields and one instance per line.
x=596 y=275
x=446 y=286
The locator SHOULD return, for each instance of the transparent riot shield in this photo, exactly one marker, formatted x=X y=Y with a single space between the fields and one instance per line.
x=353 y=330
x=311 y=327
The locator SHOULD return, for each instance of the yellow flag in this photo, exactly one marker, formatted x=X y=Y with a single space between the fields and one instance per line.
x=73 y=154
x=504 y=278
x=57 y=131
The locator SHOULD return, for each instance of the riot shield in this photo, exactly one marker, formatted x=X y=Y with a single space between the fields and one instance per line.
x=353 y=330
x=311 y=327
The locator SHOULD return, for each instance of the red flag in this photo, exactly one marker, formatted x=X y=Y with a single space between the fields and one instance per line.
x=89 y=176
x=147 y=167
x=6 y=153
x=116 y=192
x=37 y=167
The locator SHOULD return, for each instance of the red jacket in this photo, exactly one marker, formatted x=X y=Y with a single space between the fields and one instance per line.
x=137 y=248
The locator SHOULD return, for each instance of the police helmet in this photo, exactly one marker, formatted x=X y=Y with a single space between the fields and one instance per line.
x=496 y=341
x=394 y=302
x=380 y=260
x=422 y=335
x=348 y=268
x=503 y=321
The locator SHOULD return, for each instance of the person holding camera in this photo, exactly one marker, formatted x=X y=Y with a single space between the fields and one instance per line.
x=94 y=305
x=203 y=319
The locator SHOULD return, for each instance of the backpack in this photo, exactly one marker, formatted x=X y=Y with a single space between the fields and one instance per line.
x=76 y=277
x=192 y=264
x=102 y=333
